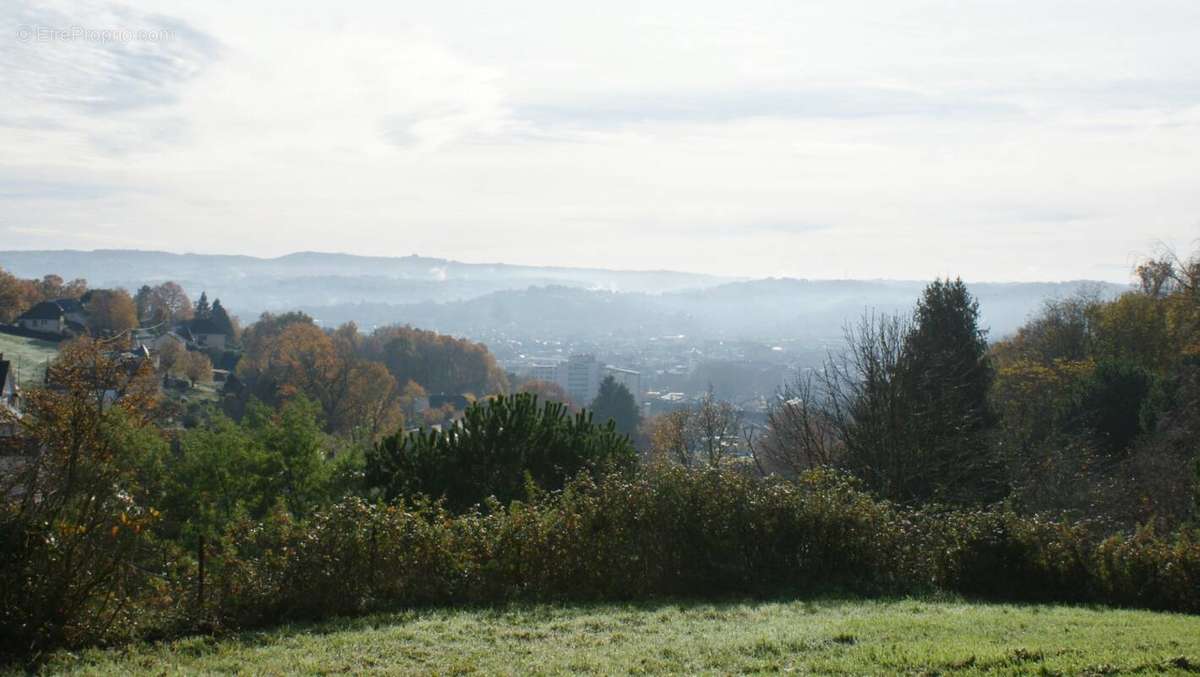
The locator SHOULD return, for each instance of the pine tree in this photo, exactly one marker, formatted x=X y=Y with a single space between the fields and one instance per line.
x=203 y=310
x=948 y=379
x=615 y=402
x=221 y=319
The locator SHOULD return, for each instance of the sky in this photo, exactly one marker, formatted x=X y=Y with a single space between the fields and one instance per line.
x=996 y=140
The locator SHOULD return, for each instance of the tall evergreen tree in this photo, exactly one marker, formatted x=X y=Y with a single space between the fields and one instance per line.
x=221 y=319
x=203 y=310
x=949 y=377
x=615 y=402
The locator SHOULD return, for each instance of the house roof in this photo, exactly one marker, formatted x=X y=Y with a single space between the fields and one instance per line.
x=46 y=310
x=205 y=326
x=69 y=305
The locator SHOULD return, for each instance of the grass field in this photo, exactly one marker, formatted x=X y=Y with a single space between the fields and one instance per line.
x=816 y=637
x=30 y=353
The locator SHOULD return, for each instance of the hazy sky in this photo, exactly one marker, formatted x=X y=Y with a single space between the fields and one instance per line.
x=895 y=138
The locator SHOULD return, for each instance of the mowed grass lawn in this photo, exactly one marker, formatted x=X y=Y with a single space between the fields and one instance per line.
x=29 y=353
x=817 y=637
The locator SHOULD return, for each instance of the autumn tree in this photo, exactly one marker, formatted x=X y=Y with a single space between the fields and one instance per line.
x=111 y=311
x=799 y=435
x=707 y=433
x=171 y=303
x=299 y=360
x=74 y=522
x=143 y=302
x=440 y=363
x=411 y=398
x=197 y=367
x=18 y=295
x=52 y=287
x=12 y=297
x=372 y=405
x=283 y=360
x=171 y=357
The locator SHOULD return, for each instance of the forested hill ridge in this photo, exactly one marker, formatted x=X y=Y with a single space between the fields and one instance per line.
x=336 y=278
x=477 y=299
x=760 y=309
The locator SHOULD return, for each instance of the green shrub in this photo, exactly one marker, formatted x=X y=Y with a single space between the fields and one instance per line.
x=498 y=444
x=662 y=532
x=1149 y=570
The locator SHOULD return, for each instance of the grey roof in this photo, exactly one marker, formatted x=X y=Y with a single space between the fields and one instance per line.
x=46 y=310
x=69 y=305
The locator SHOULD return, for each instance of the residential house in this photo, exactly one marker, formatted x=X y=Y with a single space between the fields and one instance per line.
x=62 y=316
x=47 y=317
x=73 y=310
x=155 y=342
x=207 y=335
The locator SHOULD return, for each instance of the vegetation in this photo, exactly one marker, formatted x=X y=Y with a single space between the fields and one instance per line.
x=498 y=448
x=363 y=383
x=819 y=636
x=707 y=434
x=18 y=295
x=163 y=304
x=615 y=403
x=73 y=523
x=1059 y=465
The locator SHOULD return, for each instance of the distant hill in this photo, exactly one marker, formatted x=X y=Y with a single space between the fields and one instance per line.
x=253 y=284
x=485 y=300
x=761 y=309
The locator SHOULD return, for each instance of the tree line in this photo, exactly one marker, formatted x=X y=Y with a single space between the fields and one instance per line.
x=1091 y=407
x=1059 y=463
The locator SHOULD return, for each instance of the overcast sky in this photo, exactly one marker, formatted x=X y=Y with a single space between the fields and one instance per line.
x=1000 y=140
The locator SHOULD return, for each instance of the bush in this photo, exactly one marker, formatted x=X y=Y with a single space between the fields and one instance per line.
x=670 y=531
x=663 y=532
x=497 y=445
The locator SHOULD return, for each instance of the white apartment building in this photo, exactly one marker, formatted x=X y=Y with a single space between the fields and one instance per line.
x=581 y=379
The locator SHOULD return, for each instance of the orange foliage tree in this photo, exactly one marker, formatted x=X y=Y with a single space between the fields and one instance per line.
x=73 y=524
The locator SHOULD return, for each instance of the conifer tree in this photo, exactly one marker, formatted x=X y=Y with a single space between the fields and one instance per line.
x=203 y=310
x=615 y=402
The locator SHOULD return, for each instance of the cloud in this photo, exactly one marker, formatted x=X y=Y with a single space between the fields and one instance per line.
x=99 y=57
x=816 y=101
x=94 y=68
x=866 y=138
